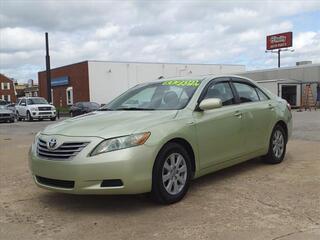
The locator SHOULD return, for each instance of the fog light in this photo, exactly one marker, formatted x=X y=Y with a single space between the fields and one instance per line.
x=112 y=183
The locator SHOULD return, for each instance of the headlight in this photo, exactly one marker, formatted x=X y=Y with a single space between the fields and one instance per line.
x=33 y=109
x=118 y=143
x=35 y=141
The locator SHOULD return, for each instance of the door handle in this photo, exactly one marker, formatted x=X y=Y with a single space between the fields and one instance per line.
x=238 y=114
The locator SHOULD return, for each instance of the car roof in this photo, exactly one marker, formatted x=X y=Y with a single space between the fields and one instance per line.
x=29 y=97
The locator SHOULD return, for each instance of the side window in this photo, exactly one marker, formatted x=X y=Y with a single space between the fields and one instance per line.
x=246 y=92
x=262 y=95
x=22 y=102
x=223 y=91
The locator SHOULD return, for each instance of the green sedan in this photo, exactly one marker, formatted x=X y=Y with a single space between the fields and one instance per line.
x=158 y=136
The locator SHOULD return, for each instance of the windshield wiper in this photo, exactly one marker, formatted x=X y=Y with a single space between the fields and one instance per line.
x=134 y=108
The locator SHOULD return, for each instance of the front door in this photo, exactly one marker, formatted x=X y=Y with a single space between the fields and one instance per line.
x=219 y=131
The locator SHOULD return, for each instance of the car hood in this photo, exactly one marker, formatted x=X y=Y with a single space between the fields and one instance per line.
x=109 y=123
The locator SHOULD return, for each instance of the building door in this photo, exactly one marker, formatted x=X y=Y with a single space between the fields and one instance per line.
x=289 y=93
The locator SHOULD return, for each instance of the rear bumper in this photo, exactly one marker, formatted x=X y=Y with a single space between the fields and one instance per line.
x=289 y=126
x=133 y=166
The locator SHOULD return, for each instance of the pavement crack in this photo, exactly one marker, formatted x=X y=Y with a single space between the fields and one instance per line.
x=292 y=233
x=286 y=235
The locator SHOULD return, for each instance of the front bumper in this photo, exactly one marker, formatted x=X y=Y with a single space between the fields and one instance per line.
x=133 y=166
x=43 y=114
x=7 y=118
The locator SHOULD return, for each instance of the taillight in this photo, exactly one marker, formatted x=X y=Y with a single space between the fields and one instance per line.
x=289 y=107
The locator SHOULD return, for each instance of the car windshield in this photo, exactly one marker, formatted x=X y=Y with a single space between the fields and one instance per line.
x=165 y=95
x=32 y=101
x=91 y=105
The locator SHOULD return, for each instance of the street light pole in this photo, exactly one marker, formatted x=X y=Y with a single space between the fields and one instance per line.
x=279 y=53
x=48 y=72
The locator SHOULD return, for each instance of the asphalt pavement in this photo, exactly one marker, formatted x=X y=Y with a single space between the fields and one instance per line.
x=251 y=200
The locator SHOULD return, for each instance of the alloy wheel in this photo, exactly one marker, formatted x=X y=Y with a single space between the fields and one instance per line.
x=278 y=143
x=174 y=173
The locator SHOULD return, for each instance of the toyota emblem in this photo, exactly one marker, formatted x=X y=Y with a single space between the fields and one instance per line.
x=52 y=143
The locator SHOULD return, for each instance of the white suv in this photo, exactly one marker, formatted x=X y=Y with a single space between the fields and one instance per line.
x=30 y=108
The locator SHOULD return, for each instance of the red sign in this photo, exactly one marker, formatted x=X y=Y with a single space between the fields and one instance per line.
x=280 y=40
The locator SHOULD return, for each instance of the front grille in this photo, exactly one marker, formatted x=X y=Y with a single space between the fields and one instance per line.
x=44 y=113
x=44 y=108
x=65 y=151
x=4 y=115
x=55 y=182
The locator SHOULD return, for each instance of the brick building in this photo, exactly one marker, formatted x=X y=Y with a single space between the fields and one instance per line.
x=68 y=84
x=7 y=89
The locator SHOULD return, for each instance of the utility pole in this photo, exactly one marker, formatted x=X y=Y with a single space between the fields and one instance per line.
x=48 y=72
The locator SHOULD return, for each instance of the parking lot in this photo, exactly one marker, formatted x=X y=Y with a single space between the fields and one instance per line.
x=248 y=201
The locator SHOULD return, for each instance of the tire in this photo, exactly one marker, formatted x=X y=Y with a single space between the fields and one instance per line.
x=28 y=117
x=18 y=117
x=12 y=120
x=162 y=190
x=53 y=119
x=277 y=146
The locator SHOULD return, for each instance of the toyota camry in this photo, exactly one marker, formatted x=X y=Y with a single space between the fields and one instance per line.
x=158 y=136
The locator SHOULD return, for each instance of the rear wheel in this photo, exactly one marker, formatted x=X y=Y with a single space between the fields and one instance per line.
x=277 y=146
x=171 y=174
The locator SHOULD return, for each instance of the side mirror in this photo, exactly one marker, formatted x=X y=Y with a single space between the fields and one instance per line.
x=210 y=103
x=23 y=104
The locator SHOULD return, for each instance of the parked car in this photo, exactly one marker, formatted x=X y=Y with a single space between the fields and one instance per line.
x=83 y=107
x=30 y=108
x=3 y=102
x=6 y=115
x=158 y=136
x=12 y=108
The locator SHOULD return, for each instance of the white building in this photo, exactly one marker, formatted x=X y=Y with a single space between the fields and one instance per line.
x=288 y=82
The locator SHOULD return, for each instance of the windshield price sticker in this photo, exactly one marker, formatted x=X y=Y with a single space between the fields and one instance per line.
x=184 y=83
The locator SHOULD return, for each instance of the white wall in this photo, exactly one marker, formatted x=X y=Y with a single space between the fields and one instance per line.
x=109 y=79
x=272 y=86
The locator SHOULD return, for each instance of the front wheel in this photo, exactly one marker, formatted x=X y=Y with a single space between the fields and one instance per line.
x=277 y=146
x=171 y=174
x=29 y=118
x=18 y=117
x=53 y=118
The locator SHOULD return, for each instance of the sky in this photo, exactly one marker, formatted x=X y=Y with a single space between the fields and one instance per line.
x=218 y=32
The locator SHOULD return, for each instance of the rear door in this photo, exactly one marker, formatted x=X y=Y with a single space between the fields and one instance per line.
x=258 y=114
x=219 y=131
